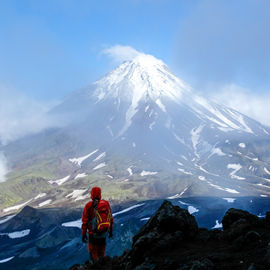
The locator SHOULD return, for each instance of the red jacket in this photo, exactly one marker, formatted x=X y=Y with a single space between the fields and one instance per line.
x=89 y=214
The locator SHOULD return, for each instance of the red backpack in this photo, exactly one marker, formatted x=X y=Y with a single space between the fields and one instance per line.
x=103 y=217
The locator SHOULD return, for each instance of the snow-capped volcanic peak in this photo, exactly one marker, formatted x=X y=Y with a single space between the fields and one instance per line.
x=143 y=77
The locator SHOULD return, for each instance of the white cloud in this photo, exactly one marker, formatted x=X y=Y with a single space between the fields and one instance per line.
x=250 y=103
x=121 y=53
x=20 y=116
x=3 y=168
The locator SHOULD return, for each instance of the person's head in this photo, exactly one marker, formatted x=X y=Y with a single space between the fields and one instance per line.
x=96 y=193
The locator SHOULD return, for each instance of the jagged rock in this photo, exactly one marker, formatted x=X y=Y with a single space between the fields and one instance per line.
x=167 y=227
x=171 y=240
x=168 y=219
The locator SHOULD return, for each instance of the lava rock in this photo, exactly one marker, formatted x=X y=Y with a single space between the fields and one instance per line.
x=235 y=218
x=252 y=237
x=169 y=219
x=171 y=240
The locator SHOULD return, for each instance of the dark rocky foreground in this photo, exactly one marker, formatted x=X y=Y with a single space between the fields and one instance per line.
x=172 y=240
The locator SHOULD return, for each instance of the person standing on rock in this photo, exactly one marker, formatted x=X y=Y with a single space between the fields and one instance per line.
x=97 y=219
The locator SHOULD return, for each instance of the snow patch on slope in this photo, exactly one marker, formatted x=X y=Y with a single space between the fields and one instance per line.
x=59 y=182
x=185 y=172
x=242 y=145
x=130 y=171
x=195 y=136
x=229 y=200
x=45 y=203
x=265 y=169
x=235 y=168
x=102 y=155
x=80 y=175
x=75 y=223
x=16 y=207
x=6 y=219
x=192 y=209
x=160 y=105
x=77 y=194
x=41 y=195
x=217 y=151
x=128 y=209
x=145 y=173
x=18 y=234
x=6 y=260
x=218 y=225
x=78 y=161
x=99 y=166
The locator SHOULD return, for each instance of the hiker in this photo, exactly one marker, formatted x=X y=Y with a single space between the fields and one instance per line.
x=97 y=219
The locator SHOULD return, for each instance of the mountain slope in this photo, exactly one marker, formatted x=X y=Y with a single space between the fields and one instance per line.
x=141 y=132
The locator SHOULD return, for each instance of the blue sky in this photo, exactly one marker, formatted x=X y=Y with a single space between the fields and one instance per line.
x=49 y=48
x=53 y=47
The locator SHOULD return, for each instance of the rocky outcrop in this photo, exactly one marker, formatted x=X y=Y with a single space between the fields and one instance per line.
x=172 y=240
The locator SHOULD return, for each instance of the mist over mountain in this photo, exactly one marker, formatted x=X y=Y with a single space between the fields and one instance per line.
x=139 y=132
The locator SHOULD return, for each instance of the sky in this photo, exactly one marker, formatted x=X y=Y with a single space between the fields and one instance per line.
x=50 y=48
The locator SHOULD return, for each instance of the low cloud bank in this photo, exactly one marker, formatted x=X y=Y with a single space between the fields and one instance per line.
x=20 y=116
x=250 y=103
x=3 y=167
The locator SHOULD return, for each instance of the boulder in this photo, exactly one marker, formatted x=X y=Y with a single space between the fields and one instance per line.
x=235 y=218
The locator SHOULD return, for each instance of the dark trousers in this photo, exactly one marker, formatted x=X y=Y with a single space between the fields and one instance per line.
x=96 y=248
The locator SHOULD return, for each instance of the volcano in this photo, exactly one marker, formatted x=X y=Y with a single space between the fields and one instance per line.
x=139 y=132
